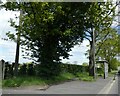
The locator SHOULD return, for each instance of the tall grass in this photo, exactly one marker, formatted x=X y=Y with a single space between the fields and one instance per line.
x=84 y=77
x=28 y=81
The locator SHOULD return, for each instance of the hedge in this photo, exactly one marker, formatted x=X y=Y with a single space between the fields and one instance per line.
x=35 y=69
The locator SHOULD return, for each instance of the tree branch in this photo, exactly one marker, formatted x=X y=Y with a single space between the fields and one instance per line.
x=87 y=39
x=102 y=43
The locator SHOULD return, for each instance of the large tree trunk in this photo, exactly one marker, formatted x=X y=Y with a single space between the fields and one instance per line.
x=91 y=66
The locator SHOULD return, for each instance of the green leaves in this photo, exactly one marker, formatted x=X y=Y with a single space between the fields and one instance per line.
x=11 y=36
x=108 y=48
x=49 y=31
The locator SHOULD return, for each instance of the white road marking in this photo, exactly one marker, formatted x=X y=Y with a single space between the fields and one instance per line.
x=107 y=88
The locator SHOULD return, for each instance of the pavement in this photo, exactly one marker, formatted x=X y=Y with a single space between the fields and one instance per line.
x=100 y=86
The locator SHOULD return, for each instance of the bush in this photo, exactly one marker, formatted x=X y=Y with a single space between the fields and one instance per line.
x=14 y=82
x=74 y=68
x=114 y=64
x=23 y=70
x=100 y=70
x=31 y=70
x=48 y=71
x=8 y=70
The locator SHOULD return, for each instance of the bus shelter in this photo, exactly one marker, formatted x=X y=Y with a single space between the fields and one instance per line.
x=105 y=63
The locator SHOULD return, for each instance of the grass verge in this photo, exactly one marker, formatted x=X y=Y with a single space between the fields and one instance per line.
x=112 y=73
x=28 y=81
x=84 y=77
x=22 y=81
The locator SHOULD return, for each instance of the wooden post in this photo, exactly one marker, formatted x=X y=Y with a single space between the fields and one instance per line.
x=0 y=70
x=93 y=52
x=18 y=46
x=2 y=66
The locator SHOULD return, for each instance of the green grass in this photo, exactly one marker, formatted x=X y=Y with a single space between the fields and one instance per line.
x=112 y=73
x=84 y=77
x=59 y=79
x=28 y=81
x=22 y=81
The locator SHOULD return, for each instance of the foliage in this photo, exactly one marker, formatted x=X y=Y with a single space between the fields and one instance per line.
x=113 y=73
x=118 y=63
x=65 y=76
x=32 y=80
x=100 y=71
x=35 y=69
x=98 y=18
x=109 y=48
x=45 y=23
x=85 y=64
x=23 y=70
x=22 y=81
x=74 y=68
x=50 y=30
x=31 y=70
x=114 y=64
x=84 y=77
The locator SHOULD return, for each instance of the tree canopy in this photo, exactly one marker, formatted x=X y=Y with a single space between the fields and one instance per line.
x=109 y=48
x=50 y=30
x=98 y=18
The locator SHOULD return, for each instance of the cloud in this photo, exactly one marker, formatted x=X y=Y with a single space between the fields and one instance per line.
x=6 y=15
x=78 y=53
x=4 y=24
x=8 y=50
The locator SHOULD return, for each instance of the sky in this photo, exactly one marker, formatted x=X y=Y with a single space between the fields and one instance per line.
x=7 y=48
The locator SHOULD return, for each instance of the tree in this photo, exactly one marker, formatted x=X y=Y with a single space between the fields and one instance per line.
x=49 y=31
x=98 y=18
x=109 y=48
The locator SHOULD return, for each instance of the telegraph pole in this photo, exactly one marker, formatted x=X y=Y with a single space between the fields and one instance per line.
x=18 y=46
x=118 y=30
x=93 y=52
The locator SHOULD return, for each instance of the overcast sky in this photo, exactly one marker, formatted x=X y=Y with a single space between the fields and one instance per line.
x=7 y=48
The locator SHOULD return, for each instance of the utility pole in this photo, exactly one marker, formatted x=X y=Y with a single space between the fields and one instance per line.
x=93 y=52
x=118 y=30
x=18 y=46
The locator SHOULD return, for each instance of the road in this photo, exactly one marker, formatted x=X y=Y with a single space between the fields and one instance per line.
x=114 y=87
x=101 y=86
